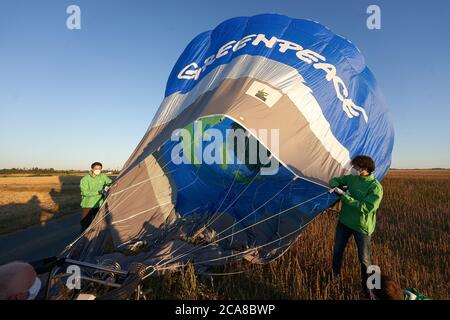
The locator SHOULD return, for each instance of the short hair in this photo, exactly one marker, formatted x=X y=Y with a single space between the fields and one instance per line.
x=96 y=164
x=364 y=162
x=389 y=289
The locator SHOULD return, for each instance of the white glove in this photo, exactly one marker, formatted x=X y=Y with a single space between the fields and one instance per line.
x=34 y=290
x=106 y=188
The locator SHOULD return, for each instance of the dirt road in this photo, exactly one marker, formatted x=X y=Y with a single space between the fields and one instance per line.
x=39 y=242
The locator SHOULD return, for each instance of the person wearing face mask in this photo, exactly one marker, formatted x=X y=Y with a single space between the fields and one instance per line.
x=18 y=281
x=357 y=217
x=93 y=187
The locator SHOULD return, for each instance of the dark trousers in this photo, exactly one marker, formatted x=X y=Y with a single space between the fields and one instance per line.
x=343 y=233
x=87 y=215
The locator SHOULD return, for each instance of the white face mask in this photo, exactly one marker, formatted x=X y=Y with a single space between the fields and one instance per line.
x=34 y=290
x=97 y=172
x=355 y=172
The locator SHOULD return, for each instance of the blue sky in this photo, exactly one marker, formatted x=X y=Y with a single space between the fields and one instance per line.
x=71 y=97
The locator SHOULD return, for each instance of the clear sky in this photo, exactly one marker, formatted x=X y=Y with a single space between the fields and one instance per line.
x=71 y=97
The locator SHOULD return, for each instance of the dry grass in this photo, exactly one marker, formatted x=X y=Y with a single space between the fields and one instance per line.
x=411 y=243
x=30 y=200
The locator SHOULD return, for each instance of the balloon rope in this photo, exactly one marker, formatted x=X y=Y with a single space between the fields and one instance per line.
x=168 y=202
x=236 y=199
x=206 y=225
x=140 y=237
x=209 y=223
x=146 y=180
x=250 y=249
x=226 y=195
x=95 y=223
x=198 y=248
x=141 y=212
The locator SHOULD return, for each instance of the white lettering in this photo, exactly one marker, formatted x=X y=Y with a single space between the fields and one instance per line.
x=374 y=280
x=192 y=70
x=242 y=43
x=74 y=20
x=288 y=45
x=74 y=280
x=188 y=73
x=262 y=38
x=223 y=51
x=374 y=20
x=309 y=56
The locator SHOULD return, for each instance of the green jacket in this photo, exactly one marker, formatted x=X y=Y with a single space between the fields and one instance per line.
x=360 y=202
x=90 y=186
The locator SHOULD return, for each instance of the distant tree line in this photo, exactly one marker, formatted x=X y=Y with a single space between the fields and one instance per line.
x=45 y=171
x=420 y=169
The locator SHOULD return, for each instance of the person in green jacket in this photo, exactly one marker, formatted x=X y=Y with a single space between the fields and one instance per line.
x=93 y=186
x=357 y=218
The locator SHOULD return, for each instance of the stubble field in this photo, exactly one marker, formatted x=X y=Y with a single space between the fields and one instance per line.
x=411 y=242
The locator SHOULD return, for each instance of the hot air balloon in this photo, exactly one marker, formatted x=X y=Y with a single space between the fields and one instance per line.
x=297 y=92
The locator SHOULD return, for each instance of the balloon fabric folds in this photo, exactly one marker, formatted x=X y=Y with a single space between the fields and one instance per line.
x=302 y=94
